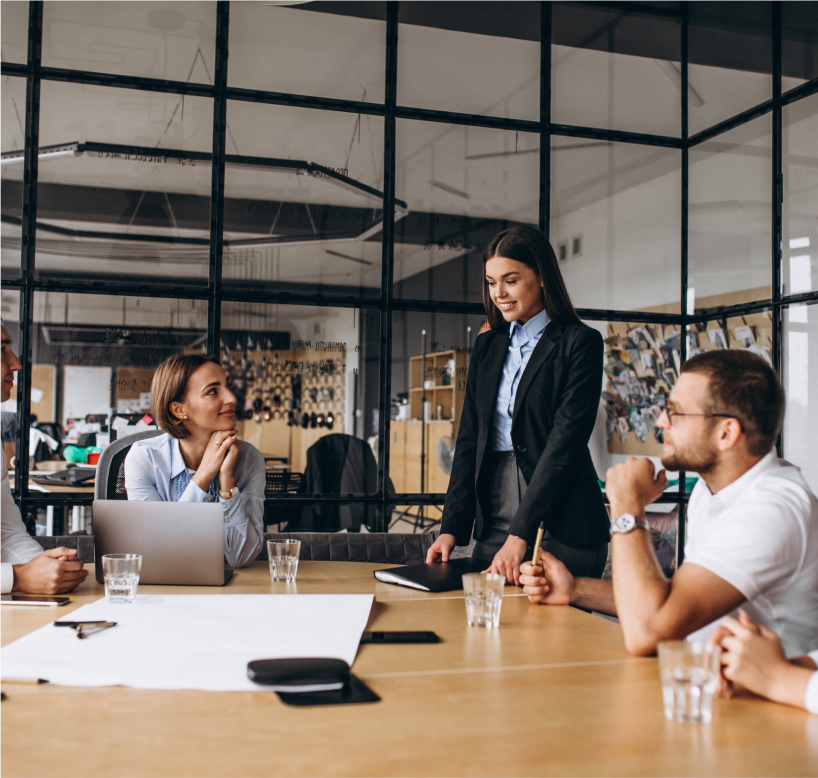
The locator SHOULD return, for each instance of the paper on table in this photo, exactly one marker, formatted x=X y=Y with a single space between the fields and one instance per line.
x=198 y=641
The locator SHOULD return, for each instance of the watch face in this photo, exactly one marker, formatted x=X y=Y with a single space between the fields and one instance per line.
x=625 y=523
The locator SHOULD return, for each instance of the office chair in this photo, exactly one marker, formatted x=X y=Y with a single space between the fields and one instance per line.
x=338 y=464
x=110 y=481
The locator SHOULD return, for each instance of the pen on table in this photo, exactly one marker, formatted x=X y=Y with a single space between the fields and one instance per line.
x=24 y=681
x=535 y=560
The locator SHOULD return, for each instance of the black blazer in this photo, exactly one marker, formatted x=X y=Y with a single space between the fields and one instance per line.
x=555 y=410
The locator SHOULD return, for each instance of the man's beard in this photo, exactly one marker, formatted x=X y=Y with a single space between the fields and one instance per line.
x=701 y=461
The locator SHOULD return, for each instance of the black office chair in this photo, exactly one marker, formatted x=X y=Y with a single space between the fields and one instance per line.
x=338 y=464
x=110 y=481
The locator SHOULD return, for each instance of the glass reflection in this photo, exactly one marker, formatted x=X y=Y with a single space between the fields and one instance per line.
x=731 y=217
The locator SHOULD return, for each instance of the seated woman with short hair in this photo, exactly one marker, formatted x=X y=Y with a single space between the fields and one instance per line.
x=200 y=458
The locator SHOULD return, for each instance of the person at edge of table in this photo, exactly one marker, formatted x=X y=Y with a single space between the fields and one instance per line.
x=25 y=566
x=530 y=406
x=752 y=519
x=200 y=458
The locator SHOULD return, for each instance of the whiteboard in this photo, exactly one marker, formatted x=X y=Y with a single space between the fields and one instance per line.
x=86 y=390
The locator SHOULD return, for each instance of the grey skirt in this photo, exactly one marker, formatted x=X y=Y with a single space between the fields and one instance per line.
x=503 y=487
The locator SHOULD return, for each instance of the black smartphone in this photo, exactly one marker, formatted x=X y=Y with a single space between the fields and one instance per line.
x=34 y=599
x=399 y=637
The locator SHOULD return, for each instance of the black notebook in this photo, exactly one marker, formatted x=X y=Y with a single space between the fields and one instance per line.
x=435 y=577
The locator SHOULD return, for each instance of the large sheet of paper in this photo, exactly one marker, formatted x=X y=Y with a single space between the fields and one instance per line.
x=200 y=641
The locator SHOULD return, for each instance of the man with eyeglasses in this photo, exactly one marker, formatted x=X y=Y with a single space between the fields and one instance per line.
x=752 y=519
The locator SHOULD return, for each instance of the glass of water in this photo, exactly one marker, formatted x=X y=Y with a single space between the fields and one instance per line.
x=121 y=573
x=283 y=556
x=690 y=678
x=484 y=597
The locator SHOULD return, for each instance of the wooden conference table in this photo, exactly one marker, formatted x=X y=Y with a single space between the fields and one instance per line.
x=552 y=692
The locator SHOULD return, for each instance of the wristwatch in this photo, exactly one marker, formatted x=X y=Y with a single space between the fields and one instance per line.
x=627 y=522
x=226 y=496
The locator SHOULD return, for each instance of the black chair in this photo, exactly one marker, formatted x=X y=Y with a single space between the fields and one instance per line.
x=83 y=543
x=110 y=481
x=378 y=547
x=339 y=464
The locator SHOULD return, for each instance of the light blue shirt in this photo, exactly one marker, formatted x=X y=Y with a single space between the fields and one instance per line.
x=524 y=337
x=153 y=468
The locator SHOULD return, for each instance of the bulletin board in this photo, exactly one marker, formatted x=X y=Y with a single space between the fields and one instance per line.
x=642 y=363
x=42 y=392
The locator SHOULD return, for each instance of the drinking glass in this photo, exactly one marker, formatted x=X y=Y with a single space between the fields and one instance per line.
x=121 y=572
x=484 y=598
x=283 y=556
x=690 y=678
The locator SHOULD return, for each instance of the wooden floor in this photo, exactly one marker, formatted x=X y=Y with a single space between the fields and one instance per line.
x=552 y=692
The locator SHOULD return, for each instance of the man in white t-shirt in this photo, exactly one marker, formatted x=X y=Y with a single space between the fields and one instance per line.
x=25 y=566
x=752 y=519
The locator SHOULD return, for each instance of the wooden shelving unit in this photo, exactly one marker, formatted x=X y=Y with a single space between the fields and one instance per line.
x=448 y=370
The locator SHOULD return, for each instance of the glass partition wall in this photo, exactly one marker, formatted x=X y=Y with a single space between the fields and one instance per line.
x=307 y=192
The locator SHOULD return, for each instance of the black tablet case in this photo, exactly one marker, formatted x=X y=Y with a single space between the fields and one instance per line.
x=435 y=577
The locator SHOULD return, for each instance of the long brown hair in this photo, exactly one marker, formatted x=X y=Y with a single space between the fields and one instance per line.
x=528 y=245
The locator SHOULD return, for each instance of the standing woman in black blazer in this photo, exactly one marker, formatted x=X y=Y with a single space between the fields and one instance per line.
x=532 y=395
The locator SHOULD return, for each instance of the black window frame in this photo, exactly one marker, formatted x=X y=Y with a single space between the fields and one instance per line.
x=387 y=303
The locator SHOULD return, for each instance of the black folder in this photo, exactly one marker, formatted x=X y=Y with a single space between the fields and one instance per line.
x=434 y=577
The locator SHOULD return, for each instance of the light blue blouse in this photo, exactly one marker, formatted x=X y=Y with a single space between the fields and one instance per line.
x=153 y=467
x=524 y=337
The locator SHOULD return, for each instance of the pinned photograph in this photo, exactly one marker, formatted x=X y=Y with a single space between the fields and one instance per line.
x=745 y=336
x=642 y=338
x=623 y=428
x=717 y=336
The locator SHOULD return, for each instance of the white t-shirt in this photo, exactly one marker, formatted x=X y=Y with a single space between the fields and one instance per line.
x=760 y=534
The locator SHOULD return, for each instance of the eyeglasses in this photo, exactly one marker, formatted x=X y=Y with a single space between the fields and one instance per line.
x=671 y=414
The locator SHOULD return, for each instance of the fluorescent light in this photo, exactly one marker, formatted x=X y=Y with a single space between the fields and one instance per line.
x=799 y=243
x=15 y=159
x=798 y=314
x=800 y=274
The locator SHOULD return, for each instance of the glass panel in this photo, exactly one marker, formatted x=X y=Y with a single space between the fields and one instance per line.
x=481 y=59
x=301 y=374
x=339 y=52
x=417 y=518
x=800 y=227
x=168 y=40
x=799 y=43
x=304 y=204
x=14 y=24
x=462 y=186
x=132 y=200
x=731 y=217
x=422 y=443
x=94 y=353
x=13 y=139
x=616 y=69
x=616 y=223
x=730 y=60
x=799 y=348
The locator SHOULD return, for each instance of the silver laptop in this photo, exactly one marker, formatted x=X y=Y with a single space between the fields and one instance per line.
x=180 y=542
